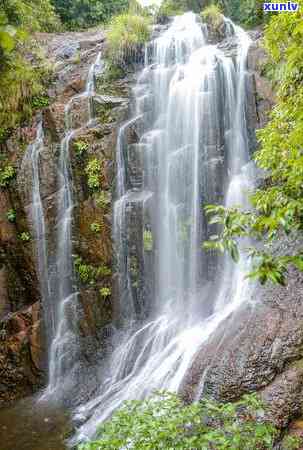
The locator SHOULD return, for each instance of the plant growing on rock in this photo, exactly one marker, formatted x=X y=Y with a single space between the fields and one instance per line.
x=80 y=148
x=95 y=227
x=212 y=14
x=103 y=199
x=7 y=174
x=164 y=422
x=105 y=292
x=25 y=236
x=11 y=215
x=126 y=37
x=88 y=273
x=40 y=101
x=93 y=172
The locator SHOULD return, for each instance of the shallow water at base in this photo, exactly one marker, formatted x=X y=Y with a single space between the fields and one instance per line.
x=32 y=426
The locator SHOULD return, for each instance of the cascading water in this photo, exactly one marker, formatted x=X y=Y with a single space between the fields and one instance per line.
x=64 y=350
x=190 y=110
x=32 y=160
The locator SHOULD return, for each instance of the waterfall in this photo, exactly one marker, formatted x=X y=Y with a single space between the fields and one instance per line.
x=64 y=356
x=36 y=213
x=190 y=112
x=58 y=285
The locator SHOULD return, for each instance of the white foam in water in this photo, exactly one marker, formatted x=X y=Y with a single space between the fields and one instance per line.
x=197 y=95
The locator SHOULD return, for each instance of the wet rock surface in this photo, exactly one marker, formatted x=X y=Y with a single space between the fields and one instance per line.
x=21 y=354
x=257 y=348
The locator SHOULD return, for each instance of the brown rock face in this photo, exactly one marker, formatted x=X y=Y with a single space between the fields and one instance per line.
x=262 y=88
x=257 y=348
x=21 y=354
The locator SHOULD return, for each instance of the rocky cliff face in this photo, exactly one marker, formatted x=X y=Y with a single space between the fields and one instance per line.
x=23 y=350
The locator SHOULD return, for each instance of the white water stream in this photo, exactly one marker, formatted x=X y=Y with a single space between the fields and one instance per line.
x=57 y=281
x=191 y=100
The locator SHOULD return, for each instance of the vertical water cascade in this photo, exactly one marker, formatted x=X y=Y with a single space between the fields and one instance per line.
x=190 y=116
x=36 y=213
x=58 y=285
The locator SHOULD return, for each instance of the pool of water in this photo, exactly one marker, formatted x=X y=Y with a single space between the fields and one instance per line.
x=29 y=425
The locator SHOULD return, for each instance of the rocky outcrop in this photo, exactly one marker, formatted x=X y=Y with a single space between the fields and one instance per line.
x=260 y=86
x=257 y=348
x=21 y=354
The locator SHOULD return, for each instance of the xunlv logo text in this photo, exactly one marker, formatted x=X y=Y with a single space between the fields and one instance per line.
x=287 y=7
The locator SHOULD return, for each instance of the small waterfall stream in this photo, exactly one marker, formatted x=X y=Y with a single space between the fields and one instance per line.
x=190 y=103
x=64 y=356
x=57 y=280
x=32 y=160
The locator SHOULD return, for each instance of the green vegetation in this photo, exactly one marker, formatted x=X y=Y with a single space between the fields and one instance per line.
x=278 y=206
x=77 y=14
x=25 y=236
x=7 y=174
x=103 y=199
x=11 y=215
x=249 y=13
x=170 y=8
x=89 y=274
x=126 y=37
x=40 y=101
x=80 y=148
x=164 y=422
x=95 y=227
x=212 y=14
x=148 y=241
x=21 y=83
x=105 y=292
x=93 y=172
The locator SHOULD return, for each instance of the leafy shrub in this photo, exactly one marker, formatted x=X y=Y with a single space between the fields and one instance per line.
x=80 y=148
x=95 y=227
x=7 y=174
x=103 y=199
x=105 y=292
x=11 y=215
x=247 y=12
x=25 y=236
x=4 y=134
x=20 y=81
x=212 y=14
x=77 y=14
x=170 y=8
x=88 y=273
x=93 y=172
x=126 y=37
x=164 y=422
x=40 y=101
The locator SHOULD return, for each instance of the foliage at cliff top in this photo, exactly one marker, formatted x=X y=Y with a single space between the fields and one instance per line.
x=164 y=422
x=213 y=15
x=278 y=206
x=20 y=81
x=249 y=13
x=246 y=12
x=126 y=36
x=77 y=14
